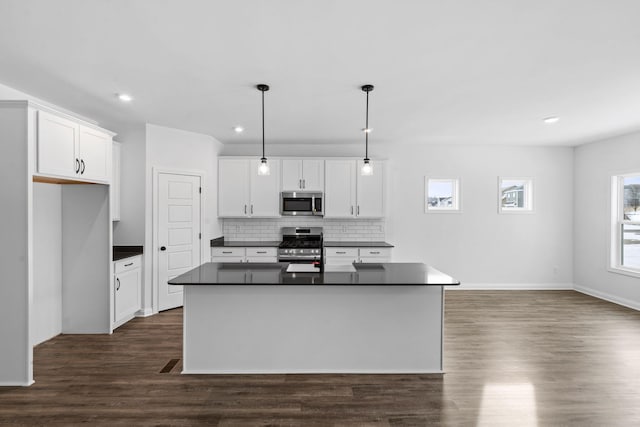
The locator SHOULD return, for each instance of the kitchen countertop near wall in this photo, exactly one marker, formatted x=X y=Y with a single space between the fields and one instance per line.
x=220 y=242
x=122 y=252
x=327 y=244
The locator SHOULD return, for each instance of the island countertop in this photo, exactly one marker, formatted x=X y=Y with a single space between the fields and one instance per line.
x=380 y=274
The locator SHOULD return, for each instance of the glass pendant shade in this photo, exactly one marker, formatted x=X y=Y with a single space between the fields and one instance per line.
x=367 y=169
x=263 y=169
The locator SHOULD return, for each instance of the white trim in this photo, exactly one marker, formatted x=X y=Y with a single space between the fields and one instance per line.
x=623 y=271
x=614 y=252
x=529 y=195
x=16 y=384
x=155 y=172
x=510 y=286
x=635 y=305
x=145 y=312
x=309 y=371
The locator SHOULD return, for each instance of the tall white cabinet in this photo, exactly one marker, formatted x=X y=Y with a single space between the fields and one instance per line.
x=42 y=145
x=349 y=194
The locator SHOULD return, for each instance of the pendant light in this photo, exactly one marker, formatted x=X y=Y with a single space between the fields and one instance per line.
x=367 y=169
x=263 y=169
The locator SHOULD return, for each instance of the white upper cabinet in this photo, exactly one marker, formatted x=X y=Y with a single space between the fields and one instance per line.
x=349 y=194
x=244 y=193
x=233 y=187
x=303 y=175
x=57 y=145
x=70 y=150
x=370 y=191
x=340 y=189
x=265 y=194
x=95 y=154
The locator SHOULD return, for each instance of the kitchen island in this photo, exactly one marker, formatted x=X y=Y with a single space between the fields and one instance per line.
x=242 y=318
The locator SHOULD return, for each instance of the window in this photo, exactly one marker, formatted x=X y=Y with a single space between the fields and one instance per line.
x=515 y=195
x=442 y=195
x=625 y=224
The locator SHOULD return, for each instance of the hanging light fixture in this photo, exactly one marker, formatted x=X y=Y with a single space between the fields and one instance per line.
x=366 y=166
x=263 y=169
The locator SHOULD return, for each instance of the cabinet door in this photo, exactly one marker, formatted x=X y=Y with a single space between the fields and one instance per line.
x=128 y=290
x=370 y=192
x=291 y=175
x=114 y=193
x=268 y=259
x=339 y=260
x=57 y=145
x=227 y=259
x=233 y=188
x=313 y=175
x=340 y=190
x=95 y=155
x=265 y=201
x=373 y=259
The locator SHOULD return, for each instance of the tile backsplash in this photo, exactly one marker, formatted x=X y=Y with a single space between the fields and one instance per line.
x=366 y=230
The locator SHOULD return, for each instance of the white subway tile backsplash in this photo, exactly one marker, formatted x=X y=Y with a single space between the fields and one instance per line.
x=243 y=229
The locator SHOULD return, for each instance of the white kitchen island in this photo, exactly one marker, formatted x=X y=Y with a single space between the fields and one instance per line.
x=258 y=319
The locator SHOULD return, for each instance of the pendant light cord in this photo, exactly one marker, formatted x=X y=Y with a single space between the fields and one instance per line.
x=263 y=125
x=366 y=133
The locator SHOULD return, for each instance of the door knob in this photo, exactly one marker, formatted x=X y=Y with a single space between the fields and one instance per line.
x=163 y=248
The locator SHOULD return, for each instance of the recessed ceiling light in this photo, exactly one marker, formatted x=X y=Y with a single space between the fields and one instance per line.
x=551 y=120
x=238 y=129
x=125 y=97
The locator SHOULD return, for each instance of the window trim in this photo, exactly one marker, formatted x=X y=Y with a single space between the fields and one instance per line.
x=529 y=195
x=457 y=195
x=614 y=264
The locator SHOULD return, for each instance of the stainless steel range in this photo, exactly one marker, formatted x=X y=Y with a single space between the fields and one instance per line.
x=301 y=245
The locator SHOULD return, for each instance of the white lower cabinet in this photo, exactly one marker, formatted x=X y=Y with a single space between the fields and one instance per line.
x=345 y=256
x=127 y=288
x=240 y=254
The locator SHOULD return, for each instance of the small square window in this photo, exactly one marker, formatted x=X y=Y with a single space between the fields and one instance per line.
x=442 y=195
x=515 y=195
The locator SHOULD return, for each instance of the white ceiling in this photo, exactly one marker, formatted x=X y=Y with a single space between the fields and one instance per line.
x=465 y=71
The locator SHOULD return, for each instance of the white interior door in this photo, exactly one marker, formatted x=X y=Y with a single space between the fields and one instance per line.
x=178 y=233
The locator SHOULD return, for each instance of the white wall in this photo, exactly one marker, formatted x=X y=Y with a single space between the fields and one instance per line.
x=594 y=165
x=175 y=149
x=478 y=246
x=46 y=317
x=129 y=231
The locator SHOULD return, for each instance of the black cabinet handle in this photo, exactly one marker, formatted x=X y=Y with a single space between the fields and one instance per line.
x=163 y=248
x=340 y=252
x=372 y=252
x=127 y=265
x=261 y=252
x=77 y=165
x=82 y=170
x=118 y=287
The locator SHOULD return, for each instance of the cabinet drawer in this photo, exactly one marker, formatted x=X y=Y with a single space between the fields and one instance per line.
x=375 y=252
x=342 y=252
x=262 y=259
x=128 y=264
x=221 y=251
x=271 y=252
x=227 y=259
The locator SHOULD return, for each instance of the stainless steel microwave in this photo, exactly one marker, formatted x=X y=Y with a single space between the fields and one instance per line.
x=299 y=203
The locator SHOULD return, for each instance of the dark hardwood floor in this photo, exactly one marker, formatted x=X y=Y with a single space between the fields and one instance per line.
x=513 y=358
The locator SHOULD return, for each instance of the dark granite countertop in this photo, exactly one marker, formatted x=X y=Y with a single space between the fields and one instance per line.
x=220 y=242
x=329 y=244
x=122 y=252
x=384 y=274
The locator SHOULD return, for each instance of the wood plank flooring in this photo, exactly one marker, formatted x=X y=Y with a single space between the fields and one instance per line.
x=513 y=358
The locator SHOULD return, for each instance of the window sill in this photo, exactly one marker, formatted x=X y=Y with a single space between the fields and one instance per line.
x=624 y=271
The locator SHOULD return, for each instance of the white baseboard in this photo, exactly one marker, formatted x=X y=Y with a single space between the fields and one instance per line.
x=145 y=312
x=17 y=384
x=307 y=371
x=608 y=297
x=511 y=286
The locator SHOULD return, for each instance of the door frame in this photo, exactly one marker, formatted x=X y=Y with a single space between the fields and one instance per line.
x=155 y=203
